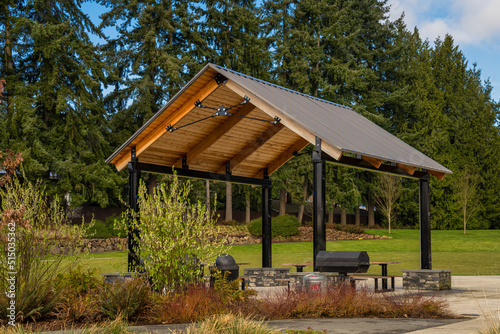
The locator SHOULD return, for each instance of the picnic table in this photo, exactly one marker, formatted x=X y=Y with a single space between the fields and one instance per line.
x=299 y=266
x=384 y=265
x=384 y=276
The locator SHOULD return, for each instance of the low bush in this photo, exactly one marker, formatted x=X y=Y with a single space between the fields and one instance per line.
x=283 y=226
x=130 y=299
x=98 y=230
x=113 y=227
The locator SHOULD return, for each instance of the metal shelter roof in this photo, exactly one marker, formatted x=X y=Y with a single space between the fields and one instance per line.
x=245 y=146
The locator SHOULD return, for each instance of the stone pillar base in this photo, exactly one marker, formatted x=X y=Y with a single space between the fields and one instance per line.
x=297 y=279
x=425 y=279
x=265 y=277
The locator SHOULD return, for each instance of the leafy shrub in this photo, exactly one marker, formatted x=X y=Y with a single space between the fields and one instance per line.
x=283 y=226
x=113 y=227
x=118 y=226
x=77 y=280
x=176 y=234
x=128 y=299
x=98 y=230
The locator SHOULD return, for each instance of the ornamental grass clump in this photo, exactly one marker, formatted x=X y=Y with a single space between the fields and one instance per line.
x=343 y=301
x=176 y=236
x=31 y=226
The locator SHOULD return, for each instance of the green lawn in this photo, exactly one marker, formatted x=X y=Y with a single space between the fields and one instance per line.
x=476 y=253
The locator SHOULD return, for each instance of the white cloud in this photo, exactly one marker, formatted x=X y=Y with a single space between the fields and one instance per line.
x=469 y=22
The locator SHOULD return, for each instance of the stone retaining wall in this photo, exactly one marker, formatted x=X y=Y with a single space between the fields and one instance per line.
x=265 y=277
x=427 y=279
x=96 y=246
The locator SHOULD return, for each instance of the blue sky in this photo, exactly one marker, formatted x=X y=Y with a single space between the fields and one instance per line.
x=474 y=25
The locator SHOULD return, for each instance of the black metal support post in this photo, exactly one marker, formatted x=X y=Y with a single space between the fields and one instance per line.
x=319 y=227
x=267 y=260
x=425 y=223
x=134 y=175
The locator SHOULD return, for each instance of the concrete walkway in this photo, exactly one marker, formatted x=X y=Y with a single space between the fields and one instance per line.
x=476 y=298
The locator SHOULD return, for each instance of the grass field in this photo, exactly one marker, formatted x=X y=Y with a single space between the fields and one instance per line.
x=475 y=253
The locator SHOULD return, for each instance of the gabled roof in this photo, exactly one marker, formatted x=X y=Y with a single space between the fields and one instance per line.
x=249 y=145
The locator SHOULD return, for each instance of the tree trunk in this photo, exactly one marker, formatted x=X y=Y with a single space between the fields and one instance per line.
x=152 y=184
x=282 y=202
x=300 y=216
x=389 y=221
x=343 y=217
x=229 y=201
x=330 y=216
x=371 y=213
x=247 y=212
x=358 y=217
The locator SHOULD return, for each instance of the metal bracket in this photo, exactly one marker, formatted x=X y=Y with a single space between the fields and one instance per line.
x=228 y=168
x=184 y=162
x=316 y=154
x=222 y=111
x=219 y=79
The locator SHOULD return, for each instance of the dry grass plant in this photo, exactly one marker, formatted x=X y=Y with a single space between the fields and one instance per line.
x=230 y=324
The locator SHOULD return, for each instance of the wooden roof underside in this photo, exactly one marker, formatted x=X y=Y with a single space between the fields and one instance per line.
x=249 y=146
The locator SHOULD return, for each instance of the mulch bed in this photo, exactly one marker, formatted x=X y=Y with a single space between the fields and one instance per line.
x=306 y=235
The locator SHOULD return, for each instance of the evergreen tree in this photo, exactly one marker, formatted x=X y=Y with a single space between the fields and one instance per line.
x=232 y=29
x=55 y=115
x=149 y=58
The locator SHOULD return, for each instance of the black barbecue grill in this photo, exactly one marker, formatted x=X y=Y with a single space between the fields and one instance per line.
x=226 y=266
x=342 y=262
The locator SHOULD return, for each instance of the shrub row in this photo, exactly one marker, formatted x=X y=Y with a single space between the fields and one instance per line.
x=104 y=230
x=283 y=226
x=347 y=228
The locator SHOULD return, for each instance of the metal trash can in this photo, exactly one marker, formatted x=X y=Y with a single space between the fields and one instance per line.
x=314 y=282
x=226 y=266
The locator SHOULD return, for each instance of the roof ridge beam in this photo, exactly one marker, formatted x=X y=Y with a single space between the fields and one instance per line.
x=253 y=146
x=209 y=140
x=173 y=119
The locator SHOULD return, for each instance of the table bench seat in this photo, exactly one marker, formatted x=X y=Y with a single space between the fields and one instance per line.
x=376 y=278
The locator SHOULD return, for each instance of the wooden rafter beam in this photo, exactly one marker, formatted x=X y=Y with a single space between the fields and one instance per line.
x=286 y=121
x=216 y=134
x=409 y=169
x=439 y=175
x=253 y=146
x=372 y=161
x=172 y=120
x=285 y=156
